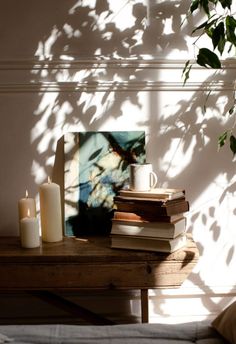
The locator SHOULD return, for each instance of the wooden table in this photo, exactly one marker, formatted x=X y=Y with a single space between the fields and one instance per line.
x=90 y=264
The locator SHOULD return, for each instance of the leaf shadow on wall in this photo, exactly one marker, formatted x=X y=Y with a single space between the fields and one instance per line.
x=198 y=131
x=82 y=98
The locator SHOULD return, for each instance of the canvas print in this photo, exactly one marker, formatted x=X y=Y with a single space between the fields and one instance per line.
x=96 y=167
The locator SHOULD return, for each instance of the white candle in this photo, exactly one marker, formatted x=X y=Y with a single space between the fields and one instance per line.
x=50 y=211
x=29 y=232
x=26 y=207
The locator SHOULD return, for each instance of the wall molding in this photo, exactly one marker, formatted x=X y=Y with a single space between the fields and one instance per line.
x=76 y=63
x=102 y=62
x=151 y=75
x=104 y=86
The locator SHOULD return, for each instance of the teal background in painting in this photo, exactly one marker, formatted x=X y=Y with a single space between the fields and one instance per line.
x=104 y=158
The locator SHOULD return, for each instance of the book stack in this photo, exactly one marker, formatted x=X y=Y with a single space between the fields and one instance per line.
x=151 y=221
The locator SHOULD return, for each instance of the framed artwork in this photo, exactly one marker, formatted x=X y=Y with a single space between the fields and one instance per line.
x=95 y=167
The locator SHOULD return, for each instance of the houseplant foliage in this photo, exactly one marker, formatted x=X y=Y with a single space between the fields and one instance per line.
x=219 y=25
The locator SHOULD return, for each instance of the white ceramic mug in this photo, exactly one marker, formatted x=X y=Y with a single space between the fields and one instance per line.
x=142 y=177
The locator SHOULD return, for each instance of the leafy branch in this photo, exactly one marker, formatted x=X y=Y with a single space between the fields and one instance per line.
x=220 y=28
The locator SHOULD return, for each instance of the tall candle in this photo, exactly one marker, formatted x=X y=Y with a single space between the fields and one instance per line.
x=50 y=211
x=26 y=207
x=29 y=232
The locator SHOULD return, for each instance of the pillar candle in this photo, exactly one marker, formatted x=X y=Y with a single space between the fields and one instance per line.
x=26 y=207
x=50 y=212
x=29 y=232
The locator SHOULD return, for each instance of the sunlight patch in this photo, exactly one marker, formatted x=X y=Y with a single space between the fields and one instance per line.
x=66 y=58
x=38 y=172
x=44 y=110
x=44 y=48
x=177 y=152
x=68 y=30
x=123 y=16
x=43 y=145
x=168 y=26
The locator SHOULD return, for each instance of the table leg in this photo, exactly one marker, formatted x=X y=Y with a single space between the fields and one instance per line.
x=144 y=305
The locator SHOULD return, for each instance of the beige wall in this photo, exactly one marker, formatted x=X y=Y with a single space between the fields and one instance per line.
x=74 y=65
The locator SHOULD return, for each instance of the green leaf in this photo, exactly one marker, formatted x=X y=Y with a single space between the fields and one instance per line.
x=231 y=110
x=232 y=140
x=221 y=45
x=230 y=48
x=232 y=21
x=209 y=32
x=222 y=138
x=200 y=26
x=186 y=66
x=230 y=29
x=207 y=58
x=186 y=71
x=205 y=5
x=206 y=24
x=226 y=3
x=218 y=37
x=194 y=5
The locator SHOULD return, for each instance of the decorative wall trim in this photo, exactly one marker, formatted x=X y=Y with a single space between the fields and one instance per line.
x=26 y=64
x=104 y=86
x=79 y=63
x=141 y=75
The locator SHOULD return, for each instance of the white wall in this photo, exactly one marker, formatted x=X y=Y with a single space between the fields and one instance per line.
x=77 y=65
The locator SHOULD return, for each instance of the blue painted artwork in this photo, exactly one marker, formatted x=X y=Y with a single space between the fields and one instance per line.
x=102 y=160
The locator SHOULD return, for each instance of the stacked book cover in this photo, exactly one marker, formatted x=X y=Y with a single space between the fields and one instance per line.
x=153 y=220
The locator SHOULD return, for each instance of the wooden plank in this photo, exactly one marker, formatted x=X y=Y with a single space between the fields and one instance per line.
x=144 y=306
x=89 y=264
x=74 y=264
x=88 y=276
x=87 y=250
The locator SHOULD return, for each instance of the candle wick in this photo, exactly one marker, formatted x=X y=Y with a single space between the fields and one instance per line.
x=26 y=193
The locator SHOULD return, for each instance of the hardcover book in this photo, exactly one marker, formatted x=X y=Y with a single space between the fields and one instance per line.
x=151 y=207
x=132 y=216
x=156 y=193
x=95 y=168
x=150 y=229
x=148 y=244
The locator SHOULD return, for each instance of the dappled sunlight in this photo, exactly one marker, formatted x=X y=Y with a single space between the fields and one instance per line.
x=98 y=68
x=45 y=110
x=44 y=48
x=217 y=232
x=39 y=174
x=176 y=153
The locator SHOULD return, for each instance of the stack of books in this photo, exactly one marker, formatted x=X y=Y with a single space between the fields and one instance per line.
x=151 y=221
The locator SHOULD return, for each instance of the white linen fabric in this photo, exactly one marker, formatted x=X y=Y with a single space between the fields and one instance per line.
x=5 y=339
x=197 y=332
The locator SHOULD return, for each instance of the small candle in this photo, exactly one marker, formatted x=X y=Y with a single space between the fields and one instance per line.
x=26 y=206
x=29 y=232
x=50 y=212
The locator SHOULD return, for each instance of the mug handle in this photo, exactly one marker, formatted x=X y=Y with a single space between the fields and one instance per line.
x=153 y=179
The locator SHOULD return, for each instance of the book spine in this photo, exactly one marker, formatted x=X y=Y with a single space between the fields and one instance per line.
x=138 y=200
x=146 y=209
x=153 y=199
x=149 y=229
x=145 y=218
x=150 y=232
x=137 y=243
